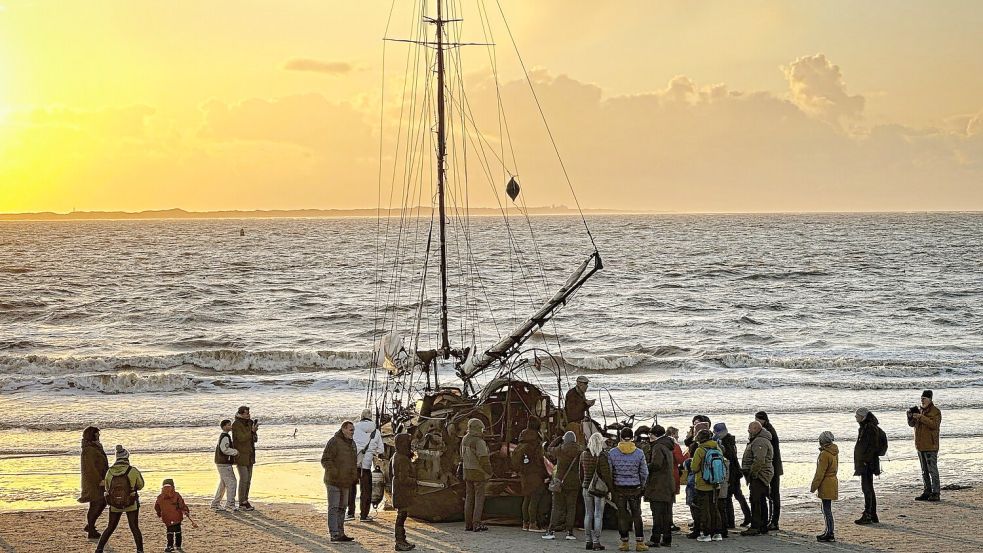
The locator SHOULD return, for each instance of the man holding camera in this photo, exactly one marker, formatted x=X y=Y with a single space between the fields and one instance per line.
x=244 y=440
x=926 y=422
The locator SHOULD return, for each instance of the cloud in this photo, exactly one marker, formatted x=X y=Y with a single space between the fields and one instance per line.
x=316 y=66
x=817 y=86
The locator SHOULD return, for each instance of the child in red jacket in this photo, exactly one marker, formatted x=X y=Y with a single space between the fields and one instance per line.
x=171 y=509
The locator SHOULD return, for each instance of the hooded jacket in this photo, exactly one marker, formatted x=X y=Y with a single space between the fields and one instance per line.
x=927 y=428
x=661 y=484
x=628 y=466
x=136 y=483
x=404 y=473
x=728 y=443
x=697 y=465
x=757 y=459
x=776 y=460
x=474 y=454
x=94 y=465
x=825 y=480
x=170 y=506
x=244 y=439
x=338 y=461
x=865 y=450
x=527 y=460
x=365 y=440
x=567 y=457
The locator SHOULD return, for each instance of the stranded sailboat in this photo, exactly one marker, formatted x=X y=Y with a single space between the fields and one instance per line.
x=431 y=379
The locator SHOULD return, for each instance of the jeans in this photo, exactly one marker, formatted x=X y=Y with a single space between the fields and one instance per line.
x=530 y=506
x=828 y=516
x=174 y=535
x=401 y=515
x=226 y=487
x=593 y=517
x=132 y=519
x=337 y=503
x=867 y=486
x=709 y=512
x=95 y=510
x=736 y=492
x=474 y=502
x=629 y=503
x=775 y=499
x=245 y=479
x=565 y=505
x=759 y=504
x=364 y=494
x=929 y=461
x=661 y=522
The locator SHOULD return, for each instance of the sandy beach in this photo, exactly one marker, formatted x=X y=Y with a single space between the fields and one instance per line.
x=906 y=526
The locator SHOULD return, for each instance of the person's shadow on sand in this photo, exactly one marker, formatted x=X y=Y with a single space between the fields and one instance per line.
x=315 y=543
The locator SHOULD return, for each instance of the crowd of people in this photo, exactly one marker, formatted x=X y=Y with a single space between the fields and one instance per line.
x=704 y=470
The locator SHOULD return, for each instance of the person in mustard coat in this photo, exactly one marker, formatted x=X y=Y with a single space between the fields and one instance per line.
x=824 y=483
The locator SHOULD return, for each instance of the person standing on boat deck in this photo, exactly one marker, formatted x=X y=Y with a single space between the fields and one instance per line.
x=94 y=465
x=661 y=487
x=757 y=467
x=775 y=490
x=867 y=463
x=338 y=461
x=404 y=488
x=567 y=457
x=629 y=473
x=476 y=463
x=244 y=437
x=576 y=405
x=225 y=459
x=123 y=484
x=594 y=461
x=368 y=444
x=926 y=422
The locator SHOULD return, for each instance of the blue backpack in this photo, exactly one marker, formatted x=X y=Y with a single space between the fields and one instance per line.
x=714 y=467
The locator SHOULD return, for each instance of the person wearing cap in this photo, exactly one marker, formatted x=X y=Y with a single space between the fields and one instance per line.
x=368 y=444
x=775 y=489
x=825 y=484
x=171 y=508
x=867 y=463
x=728 y=444
x=244 y=437
x=629 y=472
x=758 y=469
x=476 y=463
x=926 y=422
x=567 y=471
x=576 y=405
x=122 y=468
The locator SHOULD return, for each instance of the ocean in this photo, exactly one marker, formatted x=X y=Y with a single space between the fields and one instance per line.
x=156 y=330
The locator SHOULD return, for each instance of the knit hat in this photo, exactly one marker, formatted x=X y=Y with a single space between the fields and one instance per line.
x=582 y=380
x=569 y=437
x=122 y=453
x=719 y=428
x=703 y=435
x=626 y=433
x=761 y=416
x=168 y=482
x=826 y=438
x=658 y=431
x=476 y=426
x=862 y=412
x=366 y=415
x=927 y=394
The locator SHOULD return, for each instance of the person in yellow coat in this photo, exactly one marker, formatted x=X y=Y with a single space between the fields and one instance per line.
x=825 y=484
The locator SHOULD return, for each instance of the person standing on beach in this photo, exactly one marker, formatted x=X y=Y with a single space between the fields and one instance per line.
x=567 y=456
x=711 y=526
x=340 y=474
x=630 y=473
x=244 y=437
x=661 y=487
x=825 y=483
x=728 y=443
x=594 y=462
x=171 y=509
x=528 y=460
x=926 y=422
x=123 y=483
x=576 y=406
x=476 y=464
x=225 y=459
x=404 y=488
x=368 y=444
x=866 y=462
x=775 y=489
x=679 y=458
x=94 y=465
x=759 y=471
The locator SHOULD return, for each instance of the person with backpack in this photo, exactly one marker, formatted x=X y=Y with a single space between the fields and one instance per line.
x=476 y=463
x=338 y=461
x=225 y=459
x=775 y=489
x=710 y=469
x=728 y=444
x=404 y=488
x=825 y=483
x=244 y=437
x=94 y=465
x=661 y=487
x=759 y=471
x=926 y=422
x=629 y=473
x=871 y=443
x=123 y=483
x=368 y=443
x=564 y=485
x=528 y=459
x=171 y=509
x=595 y=478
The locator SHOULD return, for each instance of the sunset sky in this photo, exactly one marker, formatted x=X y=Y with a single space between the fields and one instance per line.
x=822 y=105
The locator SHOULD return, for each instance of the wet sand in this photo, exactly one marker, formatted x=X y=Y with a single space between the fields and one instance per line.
x=906 y=526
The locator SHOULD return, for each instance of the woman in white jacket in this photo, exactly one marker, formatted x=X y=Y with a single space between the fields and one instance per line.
x=368 y=444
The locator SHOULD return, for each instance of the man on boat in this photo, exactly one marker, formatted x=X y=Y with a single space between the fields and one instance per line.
x=577 y=406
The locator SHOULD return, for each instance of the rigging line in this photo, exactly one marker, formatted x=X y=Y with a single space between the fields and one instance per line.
x=549 y=132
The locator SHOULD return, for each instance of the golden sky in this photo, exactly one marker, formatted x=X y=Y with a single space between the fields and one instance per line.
x=661 y=105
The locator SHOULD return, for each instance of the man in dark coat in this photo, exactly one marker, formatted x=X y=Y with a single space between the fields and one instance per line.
x=404 y=488
x=775 y=490
x=527 y=460
x=244 y=440
x=94 y=465
x=576 y=405
x=340 y=474
x=866 y=463
x=728 y=443
x=660 y=487
x=565 y=499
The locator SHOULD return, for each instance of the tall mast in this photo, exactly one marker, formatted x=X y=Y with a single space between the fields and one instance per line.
x=445 y=346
